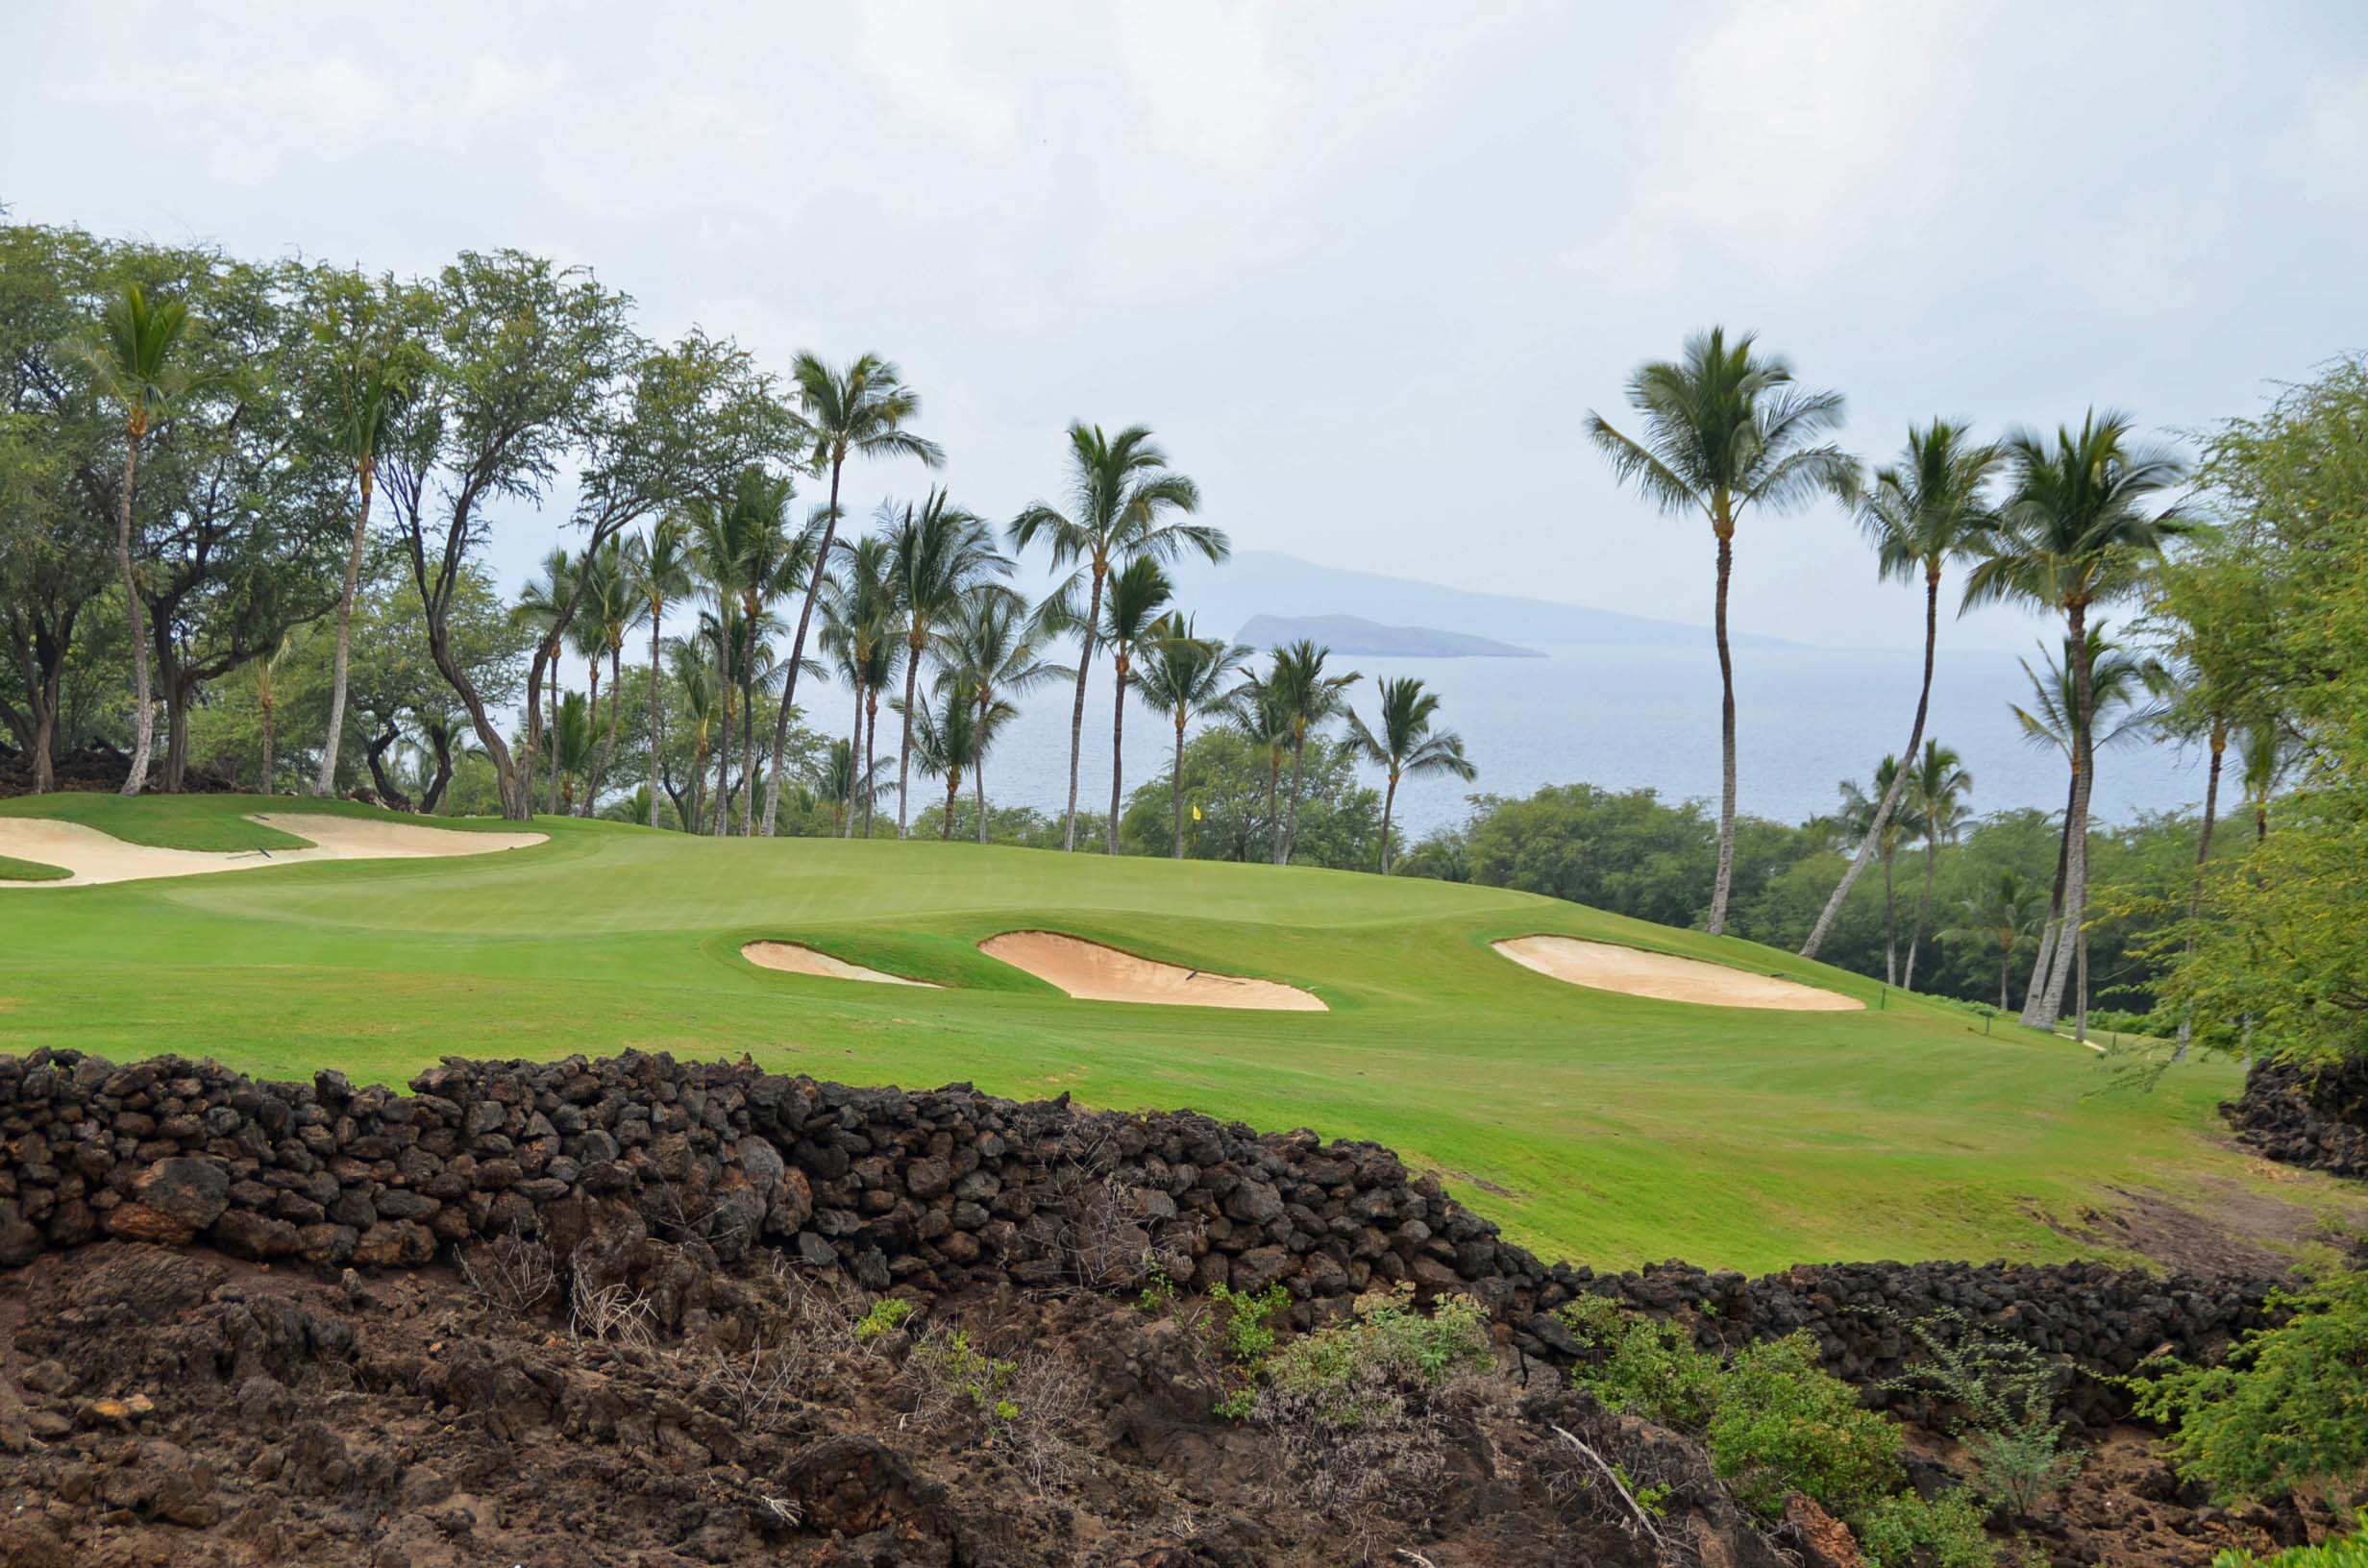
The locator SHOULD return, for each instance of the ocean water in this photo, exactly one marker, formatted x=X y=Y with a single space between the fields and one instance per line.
x=1625 y=718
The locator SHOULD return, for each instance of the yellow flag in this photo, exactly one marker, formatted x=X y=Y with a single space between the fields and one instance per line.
x=1196 y=811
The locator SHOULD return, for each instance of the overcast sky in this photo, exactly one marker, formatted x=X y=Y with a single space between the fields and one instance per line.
x=1364 y=268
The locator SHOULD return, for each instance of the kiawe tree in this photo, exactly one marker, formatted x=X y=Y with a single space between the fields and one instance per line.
x=1404 y=746
x=1725 y=429
x=1184 y=675
x=860 y=410
x=2082 y=523
x=1920 y=513
x=1122 y=503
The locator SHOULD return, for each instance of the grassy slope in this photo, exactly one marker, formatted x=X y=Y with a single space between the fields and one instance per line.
x=1605 y=1128
x=12 y=869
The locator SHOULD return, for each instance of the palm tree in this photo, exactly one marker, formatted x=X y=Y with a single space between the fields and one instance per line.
x=2078 y=529
x=937 y=558
x=862 y=631
x=609 y=606
x=2264 y=761
x=1405 y=745
x=1138 y=592
x=704 y=703
x=993 y=650
x=1857 y=818
x=264 y=673
x=1122 y=496
x=2120 y=688
x=658 y=564
x=138 y=365
x=1311 y=698
x=860 y=410
x=1937 y=788
x=369 y=400
x=1184 y=675
x=543 y=605
x=947 y=740
x=1725 y=429
x=838 y=778
x=746 y=553
x=2002 y=914
x=1261 y=710
x=1919 y=514
x=571 y=745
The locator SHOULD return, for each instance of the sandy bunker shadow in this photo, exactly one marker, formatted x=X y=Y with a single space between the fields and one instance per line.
x=1632 y=972
x=94 y=857
x=796 y=958
x=1091 y=973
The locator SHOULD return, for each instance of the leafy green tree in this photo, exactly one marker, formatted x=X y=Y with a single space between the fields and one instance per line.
x=2082 y=523
x=860 y=410
x=1725 y=429
x=1626 y=851
x=1122 y=501
x=1405 y=745
x=1139 y=594
x=1920 y=513
x=1225 y=775
x=1184 y=678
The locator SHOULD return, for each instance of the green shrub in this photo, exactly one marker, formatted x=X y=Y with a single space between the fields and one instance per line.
x=1247 y=1332
x=886 y=1316
x=1781 y=1424
x=947 y=1363
x=2289 y=1407
x=2004 y=1396
x=1647 y=1368
x=1338 y=1370
x=2348 y=1551
x=1904 y=1529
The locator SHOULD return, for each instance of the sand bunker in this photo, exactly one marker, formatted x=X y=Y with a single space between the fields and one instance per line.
x=93 y=856
x=1091 y=973
x=791 y=957
x=1635 y=972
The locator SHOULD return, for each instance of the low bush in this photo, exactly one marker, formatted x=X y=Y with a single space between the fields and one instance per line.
x=2288 y=1409
x=883 y=1318
x=2348 y=1552
x=1781 y=1423
x=1998 y=1399
x=1339 y=1371
x=1906 y=1530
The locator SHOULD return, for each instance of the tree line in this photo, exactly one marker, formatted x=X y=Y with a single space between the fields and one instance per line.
x=260 y=498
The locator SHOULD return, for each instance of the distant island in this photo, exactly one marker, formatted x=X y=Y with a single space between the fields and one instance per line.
x=1354 y=635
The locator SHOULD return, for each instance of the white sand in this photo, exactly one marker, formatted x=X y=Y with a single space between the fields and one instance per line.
x=1635 y=972
x=792 y=958
x=1092 y=972
x=93 y=856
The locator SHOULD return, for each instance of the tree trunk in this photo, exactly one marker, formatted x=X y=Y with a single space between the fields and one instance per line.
x=374 y=753
x=871 y=753
x=270 y=760
x=657 y=717
x=608 y=743
x=143 y=698
x=904 y=750
x=1388 y=804
x=797 y=645
x=1290 y=820
x=2006 y=962
x=698 y=785
x=749 y=608
x=723 y=774
x=1923 y=911
x=2203 y=856
x=1274 y=822
x=325 y=783
x=1719 y=888
x=2044 y=965
x=1117 y=752
x=1890 y=927
x=1177 y=793
x=1077 y=713
x=979 y=769
x=440 y=740
x=180 y=688
x=953 y=796
x=1899 y=778
x=2049 y=1007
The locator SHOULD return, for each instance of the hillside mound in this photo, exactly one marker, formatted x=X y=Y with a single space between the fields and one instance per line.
x=1632 y=972
x=1092 y=972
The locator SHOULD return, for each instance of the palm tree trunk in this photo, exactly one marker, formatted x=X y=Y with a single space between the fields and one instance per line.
x=870 y=749
x=270 y=760
x=1274 y=822
x=797 y=646
x=1899 y=777
x=325 y=783
x=2005 y=961
x=143 y=700
x=1177 y=781
x=698 y=786
x=954 y=794
x=2203 y=856
x=1291 y=822
x=550 y=804
x=608 y=743
x=723 y=776
x=1890 y=927
x=2050 y=1006
x=2044 y=965
x=1388 y=804
x=1077 y=713
x=658 y=711
x=905 y=752
x=979 y=768
x=748 y=722
x=854 y=765
x=1718 y=923
x=1117 y=751
x=1923 y=911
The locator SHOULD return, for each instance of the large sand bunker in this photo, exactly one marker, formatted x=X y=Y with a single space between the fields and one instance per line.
x=1636 y=973
x=93 y=856
x=1091 y=973
x=795 y=958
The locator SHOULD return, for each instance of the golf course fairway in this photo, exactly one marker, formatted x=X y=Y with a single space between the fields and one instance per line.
x=1601 y=1127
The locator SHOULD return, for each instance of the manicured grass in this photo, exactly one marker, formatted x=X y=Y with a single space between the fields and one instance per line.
x=1608 y=1129
x=12 y=869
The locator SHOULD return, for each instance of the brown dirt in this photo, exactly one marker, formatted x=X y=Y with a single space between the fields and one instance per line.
x=2237 y=1233
x=1092 y=972
x=1632 y=972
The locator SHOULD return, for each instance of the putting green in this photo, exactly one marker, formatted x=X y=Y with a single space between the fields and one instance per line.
x=1605 y=1128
